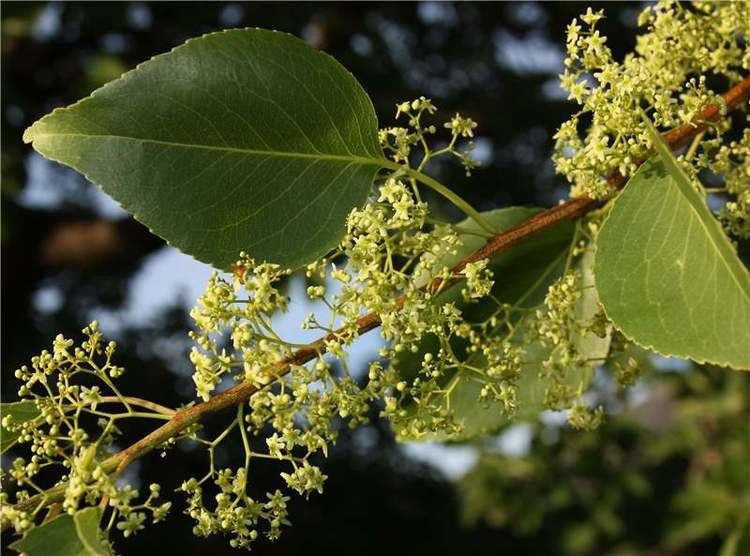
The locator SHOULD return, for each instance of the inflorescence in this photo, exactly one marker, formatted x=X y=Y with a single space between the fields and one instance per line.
x=68 y=430
x=666 y=77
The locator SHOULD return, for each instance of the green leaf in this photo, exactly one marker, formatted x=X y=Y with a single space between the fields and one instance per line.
x=19 y=412
x=590 y=345
x=66 y=535
x=668 y=276
x=245 y=139
x=522 y=276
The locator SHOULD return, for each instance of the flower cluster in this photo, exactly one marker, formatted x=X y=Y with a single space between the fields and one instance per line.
x=401 y=142
x=665 y=76
x=478 y=280
x=577 y=337
x=555 y=321
x=584 y=418
x=62 y=422
x=243 y=306
x=236 y=514
x=732 y=162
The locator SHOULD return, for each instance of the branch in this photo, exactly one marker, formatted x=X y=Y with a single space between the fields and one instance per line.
x=240 y=393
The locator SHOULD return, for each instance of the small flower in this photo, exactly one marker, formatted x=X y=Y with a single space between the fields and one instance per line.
x=590 y=18
x=91 y=396
x=478 y=279
x=403 y=108
x=60 y=347
x=305 y=479
x=460 y=126
x=132 y=523
x=316 y=292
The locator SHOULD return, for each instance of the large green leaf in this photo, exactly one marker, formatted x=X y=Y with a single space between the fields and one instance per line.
x=245 y=139
x=666 y=273
x=66 y=535
x=19 y=412
x=522 y=276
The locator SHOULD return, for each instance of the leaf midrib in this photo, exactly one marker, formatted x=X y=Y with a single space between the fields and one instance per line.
x=31 y=137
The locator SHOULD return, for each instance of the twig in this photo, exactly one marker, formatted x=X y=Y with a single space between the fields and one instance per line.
x=240 y=393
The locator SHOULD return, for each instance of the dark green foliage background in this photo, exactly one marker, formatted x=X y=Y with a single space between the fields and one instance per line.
x=375 y=501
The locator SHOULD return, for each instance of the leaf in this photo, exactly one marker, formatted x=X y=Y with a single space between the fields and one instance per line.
x=245 y=139
x=20 y=412
x=666 y=273
x=591 y=345
x=66 y=535
x=522 y=276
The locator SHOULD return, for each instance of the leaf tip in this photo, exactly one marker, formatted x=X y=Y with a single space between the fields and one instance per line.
x=29 y=133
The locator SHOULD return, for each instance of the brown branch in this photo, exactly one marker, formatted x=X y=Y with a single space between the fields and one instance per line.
x=571 y=209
